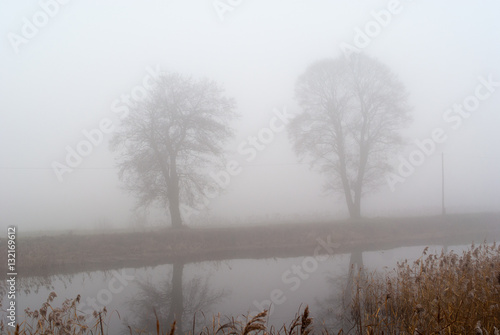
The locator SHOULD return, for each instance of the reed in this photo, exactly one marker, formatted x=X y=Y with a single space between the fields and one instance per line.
x=441 y=293
x=63 y=320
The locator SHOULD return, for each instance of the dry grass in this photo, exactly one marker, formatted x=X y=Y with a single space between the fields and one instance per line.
x=437 y=294
x=62 y=320
x=68 y=320
x=300 y=325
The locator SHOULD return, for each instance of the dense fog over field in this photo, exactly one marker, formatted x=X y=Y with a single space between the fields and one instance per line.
x=70 y=72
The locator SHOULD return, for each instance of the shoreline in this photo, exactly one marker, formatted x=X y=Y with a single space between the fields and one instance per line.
x=46 y=255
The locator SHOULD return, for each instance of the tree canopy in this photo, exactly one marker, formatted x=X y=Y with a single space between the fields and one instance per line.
x=168 y=140
x=352 y=113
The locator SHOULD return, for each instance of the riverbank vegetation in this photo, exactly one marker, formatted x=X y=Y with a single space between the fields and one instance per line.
x=442 y=293
x=48 y=254
x=446 y=293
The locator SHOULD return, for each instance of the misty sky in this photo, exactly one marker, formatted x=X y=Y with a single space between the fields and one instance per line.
x=71 y=73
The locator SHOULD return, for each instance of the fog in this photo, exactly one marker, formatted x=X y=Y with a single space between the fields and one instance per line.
x=68 y=73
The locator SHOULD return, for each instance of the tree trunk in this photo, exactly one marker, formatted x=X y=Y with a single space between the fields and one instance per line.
x=363 y=160
x=358 y=190
x=174 y=208
x=351 y=205
x=173 y=196
x=355 y=213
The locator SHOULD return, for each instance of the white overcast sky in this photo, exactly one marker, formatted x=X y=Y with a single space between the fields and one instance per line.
x=66 y=76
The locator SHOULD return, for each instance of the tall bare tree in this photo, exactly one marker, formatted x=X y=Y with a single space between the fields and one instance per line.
x=352 y=113
x=169 y=138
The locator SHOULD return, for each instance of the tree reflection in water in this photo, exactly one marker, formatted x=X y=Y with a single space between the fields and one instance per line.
x=333 y=308
x=171 y=300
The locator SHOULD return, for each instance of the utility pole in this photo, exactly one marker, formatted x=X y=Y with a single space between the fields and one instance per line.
x=443 y=210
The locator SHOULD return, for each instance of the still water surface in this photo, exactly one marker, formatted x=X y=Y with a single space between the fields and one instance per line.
x=229 y=288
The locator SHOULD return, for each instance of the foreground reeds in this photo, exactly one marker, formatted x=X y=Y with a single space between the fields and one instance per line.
x=436 y=294
x=442 y=293
x=63 y=320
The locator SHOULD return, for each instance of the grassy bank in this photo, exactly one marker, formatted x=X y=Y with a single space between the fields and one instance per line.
x=443 y=293
x=52 y=253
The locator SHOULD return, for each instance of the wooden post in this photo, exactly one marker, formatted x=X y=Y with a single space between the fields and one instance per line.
x=443 y=210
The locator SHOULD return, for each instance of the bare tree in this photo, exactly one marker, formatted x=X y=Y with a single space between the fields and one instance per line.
x=169 y=138
x=353 y=111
